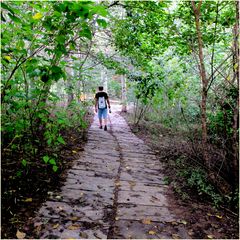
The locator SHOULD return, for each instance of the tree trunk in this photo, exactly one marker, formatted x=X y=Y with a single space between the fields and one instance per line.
x=124 y=94
x=204 y=80
x=104 y=80
x=70 y=76
x=235 y=163
x=70 y=90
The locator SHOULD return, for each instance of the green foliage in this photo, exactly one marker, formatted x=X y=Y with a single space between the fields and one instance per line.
x=145 y=87
x=77 y=112
x=168 y=88
x=46 y=159
x=24 y=162
x=150 y=28
x=56 y=23
x=143 y=33
x=36 y=39
x=55 y=168
x=196 y=178
x=114 y=89
x=166 y=180
x=110 y=63
x=162 y=42
x=235 y=199
x=220 y=124
x=51 y=161
x=221 y=119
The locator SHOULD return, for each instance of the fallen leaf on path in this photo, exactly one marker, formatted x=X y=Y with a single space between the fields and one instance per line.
x=28 y=200
x=74 y=227
x=155 y=198
x=183 y=222
x=74 y=218
x=60 y=208
x=56 y=226
x=151 y=232
x=210 y=236
x=83 y=235
x=132 y=183
x=175 y=236
x=62 y=213
x=146 y=221
x=73 y=151
x=20 y=235
x=117 y=184
x=190 y=232
x=214 y=225
x=38 y=229
x=36 y=224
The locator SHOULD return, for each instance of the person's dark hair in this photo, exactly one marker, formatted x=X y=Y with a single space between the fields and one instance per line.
x=100 y=88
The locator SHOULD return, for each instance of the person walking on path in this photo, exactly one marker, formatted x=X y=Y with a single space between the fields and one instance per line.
x=101 y=102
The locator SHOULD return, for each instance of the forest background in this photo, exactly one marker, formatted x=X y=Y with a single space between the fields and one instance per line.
x=174 y=63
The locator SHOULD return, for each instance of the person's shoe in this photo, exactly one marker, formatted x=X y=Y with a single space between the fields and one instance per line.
x=100 y=127
x=105 y=128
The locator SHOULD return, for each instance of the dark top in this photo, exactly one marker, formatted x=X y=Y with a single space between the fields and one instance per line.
x=101 y=94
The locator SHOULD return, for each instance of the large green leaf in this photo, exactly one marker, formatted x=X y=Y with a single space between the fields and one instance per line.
x=102 y=23
x=46 y=159
x=14 y=18
x=100 y=10
x=86 y=32
x=5 y=6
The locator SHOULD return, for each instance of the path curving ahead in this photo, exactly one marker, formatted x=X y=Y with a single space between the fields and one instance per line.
x=114 y=190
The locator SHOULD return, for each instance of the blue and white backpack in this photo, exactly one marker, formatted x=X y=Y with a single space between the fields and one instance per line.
x=101 y=103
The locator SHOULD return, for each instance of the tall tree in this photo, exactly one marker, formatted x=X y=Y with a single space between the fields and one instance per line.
x=202 y=69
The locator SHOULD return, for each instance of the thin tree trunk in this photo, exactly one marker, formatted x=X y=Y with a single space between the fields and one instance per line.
x=70 y=87
x=135 y=111
x=70 y=90
x=124 y=95
x=235 y=126
x=204 y=79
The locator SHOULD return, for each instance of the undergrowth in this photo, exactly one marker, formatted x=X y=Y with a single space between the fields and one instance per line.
x=195 y=179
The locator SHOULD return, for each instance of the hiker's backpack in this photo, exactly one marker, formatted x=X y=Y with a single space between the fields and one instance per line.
x=101 y=103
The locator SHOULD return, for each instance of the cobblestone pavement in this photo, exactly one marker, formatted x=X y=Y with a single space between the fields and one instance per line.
x=114 y=190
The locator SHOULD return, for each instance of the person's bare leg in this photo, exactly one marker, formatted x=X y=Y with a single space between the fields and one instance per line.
x=100 y=122
x=105 y=123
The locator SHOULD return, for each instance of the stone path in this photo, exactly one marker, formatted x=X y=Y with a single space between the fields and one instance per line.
x=114 y=190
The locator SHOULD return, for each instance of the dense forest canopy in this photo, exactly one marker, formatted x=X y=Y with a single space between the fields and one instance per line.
x=178 y=60
x=187 y=56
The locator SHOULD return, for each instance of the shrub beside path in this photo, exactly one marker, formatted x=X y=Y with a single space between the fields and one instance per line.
x=114 y=190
